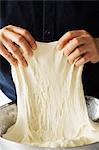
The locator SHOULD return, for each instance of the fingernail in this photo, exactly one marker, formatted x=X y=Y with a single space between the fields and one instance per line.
x=31 y=53
x=70 y=62
x=25 y=64
x=34 y=47
x=58 y=47
x=65 y=53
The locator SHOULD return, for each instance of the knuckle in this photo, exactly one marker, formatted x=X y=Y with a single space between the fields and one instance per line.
x=4 y=28
x=83 y=37
x=15 y=50
x=78 y=50
x=8 y=26
x=84 y=31
x=21 y=57
x=84 y=59
x=69 y=33
x=20 y=39
x=25 y=32
x=89 y=37
x=2 y=31
x=76 y=41
x=61 y=41
x=7 y=55
x=13 y=61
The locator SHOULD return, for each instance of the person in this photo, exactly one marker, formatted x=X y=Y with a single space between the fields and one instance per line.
x=74 y=24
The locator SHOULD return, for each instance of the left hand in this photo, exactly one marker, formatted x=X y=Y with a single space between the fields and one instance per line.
x=80 y=47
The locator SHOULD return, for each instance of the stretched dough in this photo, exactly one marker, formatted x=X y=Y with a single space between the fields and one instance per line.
x=51 y=105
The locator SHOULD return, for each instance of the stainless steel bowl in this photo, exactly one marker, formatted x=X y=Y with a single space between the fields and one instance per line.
x=8 y=145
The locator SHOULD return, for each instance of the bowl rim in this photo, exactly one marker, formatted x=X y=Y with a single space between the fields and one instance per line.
x=33 y=146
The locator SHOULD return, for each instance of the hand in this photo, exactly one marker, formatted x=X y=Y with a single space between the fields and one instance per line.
x=79 y=47
x=13 y=38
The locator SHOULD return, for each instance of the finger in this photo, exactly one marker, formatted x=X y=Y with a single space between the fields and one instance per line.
x=76 y=53
x=19 y=40
x=25 y=34
x=86 y=58
x=94 y=61
x=69 y=36
x=7 y=55
x=14 y=49
x=73 y=44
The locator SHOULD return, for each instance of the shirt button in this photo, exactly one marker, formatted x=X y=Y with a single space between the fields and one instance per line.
x=47 y=32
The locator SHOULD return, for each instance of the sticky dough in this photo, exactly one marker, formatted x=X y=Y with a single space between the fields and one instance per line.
x=51 y=105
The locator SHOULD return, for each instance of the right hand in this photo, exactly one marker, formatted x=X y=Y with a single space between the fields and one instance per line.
x=13 y=38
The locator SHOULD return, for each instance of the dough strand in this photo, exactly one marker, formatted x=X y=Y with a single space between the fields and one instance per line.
x=51 y=105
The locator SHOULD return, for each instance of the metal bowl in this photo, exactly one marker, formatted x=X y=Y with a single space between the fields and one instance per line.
x=8 y=145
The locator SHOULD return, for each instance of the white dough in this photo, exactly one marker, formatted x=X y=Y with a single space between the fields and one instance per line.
x=51 y=105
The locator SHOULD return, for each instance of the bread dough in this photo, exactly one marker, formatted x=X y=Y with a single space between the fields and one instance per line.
x=51 y=105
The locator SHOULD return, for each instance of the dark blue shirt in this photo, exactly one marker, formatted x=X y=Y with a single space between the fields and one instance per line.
x=48 y=21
